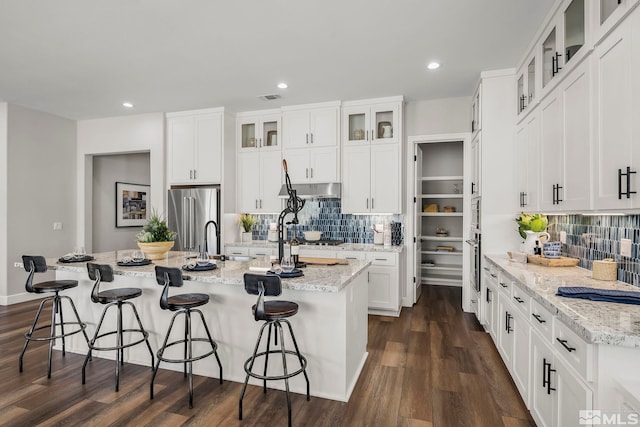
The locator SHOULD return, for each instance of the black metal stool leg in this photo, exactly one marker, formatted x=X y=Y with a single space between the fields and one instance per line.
x=30 y=332
x=247 y=370
x=118 y=345
x=295 y=344
x=92 y=342
x=161 y=352
x=284 y=367
x=266 y=357
x=189 y=354
x=52 y=333
x=186 y=331
x=214 y=346
x=144 y=332
x=59 y=301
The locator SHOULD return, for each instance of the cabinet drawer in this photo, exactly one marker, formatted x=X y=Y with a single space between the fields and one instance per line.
x=232 y=250
x=504 y=284
x=573 y=349
x=520 y=299
x=261 y=252
x=316 y=253
x=383 y=259
x=542 y=320
x=351 y=255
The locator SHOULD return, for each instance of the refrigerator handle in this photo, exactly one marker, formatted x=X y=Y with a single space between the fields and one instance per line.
x=192 y=215
x=185 y=209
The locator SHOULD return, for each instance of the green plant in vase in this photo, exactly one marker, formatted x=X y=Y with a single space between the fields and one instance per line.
x=156 y=239
x=247 y=221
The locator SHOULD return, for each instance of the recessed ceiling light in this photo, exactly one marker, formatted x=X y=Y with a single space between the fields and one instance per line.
x=433 y=65
x=127 y=104
x=282 y=85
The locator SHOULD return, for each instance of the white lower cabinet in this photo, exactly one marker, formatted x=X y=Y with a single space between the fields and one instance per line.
x=384 y=281
x=557 y=393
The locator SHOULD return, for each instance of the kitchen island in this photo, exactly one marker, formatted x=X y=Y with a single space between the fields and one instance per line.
x=330 y=327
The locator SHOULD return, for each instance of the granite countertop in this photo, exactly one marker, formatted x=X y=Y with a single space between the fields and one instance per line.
x=316 y=278
x=595 y=321
x=362 y=247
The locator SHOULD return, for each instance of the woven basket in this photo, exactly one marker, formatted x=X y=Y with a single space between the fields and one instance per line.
x=607 y=269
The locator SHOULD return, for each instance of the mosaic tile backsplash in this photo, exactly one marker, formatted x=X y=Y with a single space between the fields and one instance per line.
x=324 y=215
x=592 y=238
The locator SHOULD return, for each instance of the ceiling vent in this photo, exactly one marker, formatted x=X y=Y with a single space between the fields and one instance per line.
x=271 y=97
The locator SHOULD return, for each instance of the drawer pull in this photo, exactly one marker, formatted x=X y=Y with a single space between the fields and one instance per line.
x=565 y=345
x=494 y=275
x=486 y=268
x=503 y=284
x=381 y=259
x=520 y=300
x=538 y=318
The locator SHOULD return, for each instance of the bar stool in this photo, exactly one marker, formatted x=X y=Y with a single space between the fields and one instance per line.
x=182 y=304
x=113 y=298
x=273 y=313
x=37 y=264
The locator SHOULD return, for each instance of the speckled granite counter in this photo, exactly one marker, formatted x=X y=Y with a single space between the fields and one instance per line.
x=596 y=322
x=363 y=247
x=316 y=278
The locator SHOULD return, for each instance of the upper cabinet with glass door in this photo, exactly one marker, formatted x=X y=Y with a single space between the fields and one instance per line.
x=371 y=121
x=526 y=85
x=608 y=14
x=563 y=42
x=259 y=130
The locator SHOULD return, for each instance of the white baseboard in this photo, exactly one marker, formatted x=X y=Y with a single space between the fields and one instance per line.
x=18 y=298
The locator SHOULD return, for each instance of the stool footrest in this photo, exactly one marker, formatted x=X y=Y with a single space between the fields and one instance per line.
x=192 y=359
x=145 y=335
x=280 y=377
x=30 y=337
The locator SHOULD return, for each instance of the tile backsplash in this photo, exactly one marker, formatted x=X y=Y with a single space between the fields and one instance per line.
x=592 y=238
x=324 y=215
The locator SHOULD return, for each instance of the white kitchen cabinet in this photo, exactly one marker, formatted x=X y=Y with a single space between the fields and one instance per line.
x=616 y=130
x=194 y=143
x=259 y=181
x=308 y=165
x=384 y=281
x=527 y=82
x=490 y=304
x=528 y=161
x=476 y=110
x=475 y=166
x=310 y=126
x=608 y=13
x=259 y=130
x=372 y=121
x=506 y=329
x=565 y=142
x=557 y=393
x=520 y=356
x=371 y=179
x=563 y=41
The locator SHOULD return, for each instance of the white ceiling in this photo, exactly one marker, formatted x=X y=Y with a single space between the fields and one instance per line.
x=81 y=59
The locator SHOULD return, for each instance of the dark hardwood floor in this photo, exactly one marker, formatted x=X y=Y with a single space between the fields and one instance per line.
x=432 y=366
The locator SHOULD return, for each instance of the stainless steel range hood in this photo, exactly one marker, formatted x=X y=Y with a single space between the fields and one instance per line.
x=310 y=191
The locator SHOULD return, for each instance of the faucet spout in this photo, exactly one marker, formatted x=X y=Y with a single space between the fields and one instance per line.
x=206 y=226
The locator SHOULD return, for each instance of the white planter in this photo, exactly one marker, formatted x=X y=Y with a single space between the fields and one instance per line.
x=246 y=236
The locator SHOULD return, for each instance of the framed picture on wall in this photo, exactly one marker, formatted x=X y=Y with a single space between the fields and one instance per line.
x=132 y=204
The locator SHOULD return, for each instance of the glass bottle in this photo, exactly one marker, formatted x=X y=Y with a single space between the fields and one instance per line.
x=295 y=248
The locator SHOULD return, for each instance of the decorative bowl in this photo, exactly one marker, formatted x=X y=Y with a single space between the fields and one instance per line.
x=156 y=250
x=312 y=235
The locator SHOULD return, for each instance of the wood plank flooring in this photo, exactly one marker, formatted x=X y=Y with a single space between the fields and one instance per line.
x=433 y=366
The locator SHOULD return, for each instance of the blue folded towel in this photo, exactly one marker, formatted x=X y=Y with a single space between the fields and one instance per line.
x=595 y=294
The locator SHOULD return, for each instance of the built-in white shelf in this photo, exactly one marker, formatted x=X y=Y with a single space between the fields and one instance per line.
x=443 y=267
x=442 y=239
x=442 y=253
x=444 y=279
x=441 y=213
x=443 y=178
x=442 y=196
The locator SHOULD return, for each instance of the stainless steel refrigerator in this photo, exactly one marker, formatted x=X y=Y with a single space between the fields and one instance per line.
x=189 y=210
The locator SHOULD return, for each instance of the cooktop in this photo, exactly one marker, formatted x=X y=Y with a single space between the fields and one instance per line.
x=322 y=242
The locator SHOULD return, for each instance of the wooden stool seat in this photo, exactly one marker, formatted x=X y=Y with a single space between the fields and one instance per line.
x=184 y=301
x=120 y=294
x=277 y=309
x=54 y=286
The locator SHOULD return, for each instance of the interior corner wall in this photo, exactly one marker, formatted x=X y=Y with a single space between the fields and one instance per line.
x=41 y=177
x=438 y=116
x=4 y=261
x=107 y=170
x=142 y=133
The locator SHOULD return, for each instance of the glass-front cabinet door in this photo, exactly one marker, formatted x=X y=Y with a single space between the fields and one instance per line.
x=371 y=124
x=574 y=29
x=521 y=96
x=550 y=56
x=531 y=80
x=262 y=132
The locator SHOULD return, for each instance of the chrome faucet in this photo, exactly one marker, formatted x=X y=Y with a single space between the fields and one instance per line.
x=206 y=226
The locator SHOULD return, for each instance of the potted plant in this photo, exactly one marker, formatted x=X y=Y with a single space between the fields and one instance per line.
x=156 y=239
x=531 y=228
x=247 y=221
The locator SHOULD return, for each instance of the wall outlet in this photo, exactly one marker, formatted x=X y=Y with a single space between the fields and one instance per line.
x=563 y=237
x=57 y=226
x=625 y=247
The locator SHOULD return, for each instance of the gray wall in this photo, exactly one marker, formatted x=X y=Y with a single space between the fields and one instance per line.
x=450 y=115
x=131 y=168
x=41 y=189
